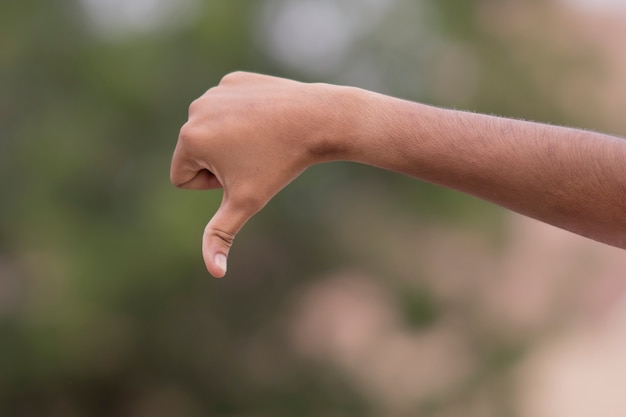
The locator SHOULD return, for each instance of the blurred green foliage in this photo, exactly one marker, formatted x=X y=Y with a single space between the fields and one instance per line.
x=105 y=306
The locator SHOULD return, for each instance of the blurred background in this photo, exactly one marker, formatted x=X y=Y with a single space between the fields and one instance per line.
x=355 y=292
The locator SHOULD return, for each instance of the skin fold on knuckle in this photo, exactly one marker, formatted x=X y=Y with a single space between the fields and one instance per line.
x=225 y=237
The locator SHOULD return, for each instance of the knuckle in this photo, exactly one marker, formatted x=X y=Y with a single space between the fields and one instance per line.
x=177 y=177
x=173 y=172
x=194 y=106
x=233 y=77
x=175 y=180
x=187 y=133
x=225 y=237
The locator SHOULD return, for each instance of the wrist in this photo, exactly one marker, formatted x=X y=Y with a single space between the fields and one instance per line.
x=384 y=129
x=395 y=134
x=341 y=116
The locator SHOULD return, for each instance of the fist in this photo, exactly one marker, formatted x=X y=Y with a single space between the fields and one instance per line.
x=252 y=135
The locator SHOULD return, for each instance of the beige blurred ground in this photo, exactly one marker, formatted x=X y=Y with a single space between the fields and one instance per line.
x=565 y=294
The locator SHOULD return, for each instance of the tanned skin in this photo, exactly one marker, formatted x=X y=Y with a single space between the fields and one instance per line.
x=253 y=134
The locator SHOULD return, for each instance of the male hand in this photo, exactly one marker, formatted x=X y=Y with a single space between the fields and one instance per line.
x=252 y=135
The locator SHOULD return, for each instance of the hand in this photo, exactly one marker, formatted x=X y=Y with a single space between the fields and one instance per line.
x=252 y=135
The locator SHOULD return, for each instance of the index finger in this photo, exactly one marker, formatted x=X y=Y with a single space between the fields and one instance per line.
x=185 y=173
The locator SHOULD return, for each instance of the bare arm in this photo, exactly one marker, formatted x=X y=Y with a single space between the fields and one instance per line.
x=253 y=134
x=570 y=178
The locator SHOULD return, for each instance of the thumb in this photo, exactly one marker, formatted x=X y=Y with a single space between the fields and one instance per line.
x=220 y=232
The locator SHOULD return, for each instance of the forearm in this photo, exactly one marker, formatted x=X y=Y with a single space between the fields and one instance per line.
x=569 y=178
